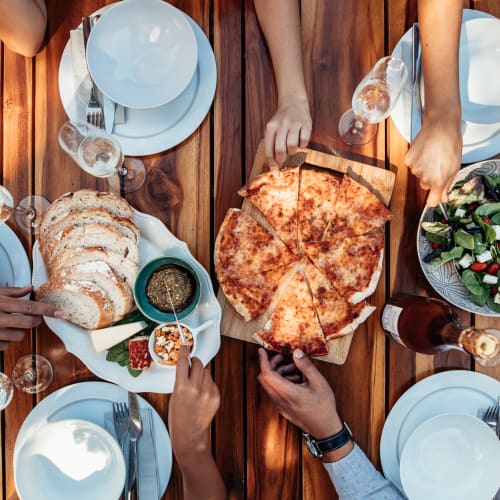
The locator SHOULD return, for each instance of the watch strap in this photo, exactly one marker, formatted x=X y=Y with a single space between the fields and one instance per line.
x=318 y=447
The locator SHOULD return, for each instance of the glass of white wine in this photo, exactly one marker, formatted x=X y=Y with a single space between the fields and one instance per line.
x=100 y=154
x=373 y=100
x=27 y=213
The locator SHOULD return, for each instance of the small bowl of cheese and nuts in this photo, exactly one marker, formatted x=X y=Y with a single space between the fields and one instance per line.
x=165 y=342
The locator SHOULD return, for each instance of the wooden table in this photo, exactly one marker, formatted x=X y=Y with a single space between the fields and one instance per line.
x=191 y=186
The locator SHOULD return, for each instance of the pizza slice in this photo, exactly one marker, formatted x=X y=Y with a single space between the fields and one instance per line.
x=317 y=194
x=276 y=198
x=248 y=248
x=352 y=264
x=293 y=323
x=357 y=210
x=336 y=315
x=251 y=295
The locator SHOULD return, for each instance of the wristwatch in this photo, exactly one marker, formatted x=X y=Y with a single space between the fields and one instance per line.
x=318 y=447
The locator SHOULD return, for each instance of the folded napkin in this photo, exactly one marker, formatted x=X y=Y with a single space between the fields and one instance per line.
x=81 y=75
x=148 y=482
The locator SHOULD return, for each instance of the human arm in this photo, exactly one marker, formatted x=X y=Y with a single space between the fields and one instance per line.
x=17 y=314
x=22 y=25
x=291 y=124
x=435 y=155
x=311 y=406
x=192 y=406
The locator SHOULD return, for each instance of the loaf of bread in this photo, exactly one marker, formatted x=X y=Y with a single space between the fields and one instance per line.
x=82 y=302
x=90 y=245
x=83 y=200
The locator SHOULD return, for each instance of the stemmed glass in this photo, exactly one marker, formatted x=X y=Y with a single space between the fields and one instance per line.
x=32 y=373
x=373 y=101
x=100 y=154
x=6 y=391
x=27 y=213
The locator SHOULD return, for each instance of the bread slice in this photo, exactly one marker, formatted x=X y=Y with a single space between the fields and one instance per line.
x=82 y=302
x=82 y=200
x=122 y=266
x=92 y=235
x=89 y=216
x=100 y=274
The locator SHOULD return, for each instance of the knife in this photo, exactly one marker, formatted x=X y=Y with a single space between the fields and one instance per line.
x=109 y=113
x=135 y=430
x=416 y=103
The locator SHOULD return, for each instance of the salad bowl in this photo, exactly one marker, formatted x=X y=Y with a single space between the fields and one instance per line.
x=457 y=271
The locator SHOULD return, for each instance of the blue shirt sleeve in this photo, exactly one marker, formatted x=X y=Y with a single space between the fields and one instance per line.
x=355 y=478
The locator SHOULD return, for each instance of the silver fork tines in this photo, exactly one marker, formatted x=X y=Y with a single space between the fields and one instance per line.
x=121 y=421
x=94 y=111
x=491 y=415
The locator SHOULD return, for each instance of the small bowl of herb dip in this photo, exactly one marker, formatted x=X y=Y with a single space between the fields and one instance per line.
x=159 y=277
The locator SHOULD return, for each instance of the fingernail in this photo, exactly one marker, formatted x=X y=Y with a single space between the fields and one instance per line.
x=298 y=354
x=58 y=313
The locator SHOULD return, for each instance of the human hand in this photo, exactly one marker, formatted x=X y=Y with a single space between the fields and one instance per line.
x=289 y=128
x=17 y=314
x=310 y=405
x=435 y=156
x=192 y=406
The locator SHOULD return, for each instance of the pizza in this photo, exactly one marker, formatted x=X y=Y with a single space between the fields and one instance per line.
x=251 y=295
x=293 y=323
x=305 y=273
x=352 y=264
x=357 y=210
x=336 y=315
x=316 y=202
x=276 y=198
x=240 y=239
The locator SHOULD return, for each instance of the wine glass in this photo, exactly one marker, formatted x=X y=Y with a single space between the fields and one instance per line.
x=32 y=373
x=27 y=213
x=373 y=101
x=6 y=391
x=100 y=154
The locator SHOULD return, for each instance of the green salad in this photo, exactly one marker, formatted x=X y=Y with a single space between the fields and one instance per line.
x=470 y=237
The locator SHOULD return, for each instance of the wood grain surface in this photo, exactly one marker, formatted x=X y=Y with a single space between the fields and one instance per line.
x=190 y=188
x=378 y=180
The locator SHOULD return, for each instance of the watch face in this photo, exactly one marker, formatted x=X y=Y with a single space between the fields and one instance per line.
x=312 y=446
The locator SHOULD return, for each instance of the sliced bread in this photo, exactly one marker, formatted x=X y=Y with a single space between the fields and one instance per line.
x=82 y=200
x=91 y=235
x=89 y=216
x=82 y=302
x=100 y=274
x=123 y=267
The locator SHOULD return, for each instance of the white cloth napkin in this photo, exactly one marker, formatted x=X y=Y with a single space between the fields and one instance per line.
x=148 y=483
x=81 y=75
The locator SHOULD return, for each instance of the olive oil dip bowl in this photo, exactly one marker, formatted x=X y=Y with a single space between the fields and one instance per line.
x=160 y=276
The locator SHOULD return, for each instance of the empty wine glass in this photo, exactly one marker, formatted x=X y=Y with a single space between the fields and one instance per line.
x=32 y=373
x=373 y=100
x=6 y=391
x=100 y=154
x=27 y=213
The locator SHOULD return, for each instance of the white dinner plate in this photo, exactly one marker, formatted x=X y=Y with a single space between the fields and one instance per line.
x=91 y=401
x=445 y=279
x=452 y=456
x=480 y=141
x=149 y=131
x=455 y=391
x=156 y=241
x=15 y=267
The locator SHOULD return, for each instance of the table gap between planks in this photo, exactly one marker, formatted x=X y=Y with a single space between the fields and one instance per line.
x=190 y=187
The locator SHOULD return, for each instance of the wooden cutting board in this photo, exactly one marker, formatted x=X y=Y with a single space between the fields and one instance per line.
x=378 y=180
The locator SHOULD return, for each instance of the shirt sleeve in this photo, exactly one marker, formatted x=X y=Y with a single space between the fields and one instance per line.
x=355 y=478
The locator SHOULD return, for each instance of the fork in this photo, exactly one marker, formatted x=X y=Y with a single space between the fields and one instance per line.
x=121 y=421
x=94 y=111
x=491 y=415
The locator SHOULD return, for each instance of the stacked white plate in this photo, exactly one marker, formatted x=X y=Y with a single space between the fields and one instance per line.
x=479 y=92
x=456 y=391
x=162 y=74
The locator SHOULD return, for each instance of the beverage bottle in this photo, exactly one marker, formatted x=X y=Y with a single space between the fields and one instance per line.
x=430 y=326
